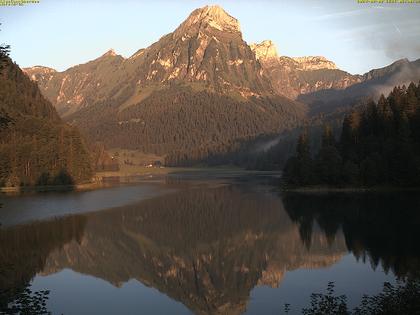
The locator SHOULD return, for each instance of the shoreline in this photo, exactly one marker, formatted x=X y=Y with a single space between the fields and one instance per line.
x=326 y=189
x=109 y=179
x=99 y=180
x=47 y=188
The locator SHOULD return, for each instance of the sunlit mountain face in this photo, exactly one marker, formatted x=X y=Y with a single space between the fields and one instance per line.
x=209 y=247
x=204 y=174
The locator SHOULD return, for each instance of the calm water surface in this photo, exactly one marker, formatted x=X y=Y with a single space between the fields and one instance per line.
x=195 y=246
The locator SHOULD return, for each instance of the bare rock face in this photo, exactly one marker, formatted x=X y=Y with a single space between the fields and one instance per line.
x=110 y=53
x=370 y=85
x=39 y=72
x=206 y=48
x=203 y=68
x=210 y=17
x=292 y=77
x=314 y=63
x=42 y=75
x=264 y=50
x=78 y=86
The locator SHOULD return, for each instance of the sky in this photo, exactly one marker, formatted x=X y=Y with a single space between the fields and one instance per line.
x=356 y=36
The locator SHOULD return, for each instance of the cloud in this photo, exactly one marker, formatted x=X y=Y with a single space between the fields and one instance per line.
x=403 y=47
x=397 y=39
x=339 y=15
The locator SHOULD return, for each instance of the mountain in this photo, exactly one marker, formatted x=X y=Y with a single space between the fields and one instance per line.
x=80 y=85
x=199 y=88
x=201 y=93
x=379 y=146
x=36 y=146
x=206 y=49
x=317 y=82
x=208 y=257
x=292 y=77
x=168 y=243
x=371 y=86
x=205 y=247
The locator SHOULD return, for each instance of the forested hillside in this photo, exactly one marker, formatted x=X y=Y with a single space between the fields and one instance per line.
x=201 y=94
x=187 y=125
x=36 y=147
x=194 y=94
x=379 y=145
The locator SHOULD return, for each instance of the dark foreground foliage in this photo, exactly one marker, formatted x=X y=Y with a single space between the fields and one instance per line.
x=27 y=302
x=379 y=145
x=401 y=298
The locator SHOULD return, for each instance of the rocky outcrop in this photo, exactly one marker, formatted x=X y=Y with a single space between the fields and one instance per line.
x=369 y=86
x=207 y=49
x=264 y=50
x=314 y=63
x=204 y=67
x=79 y=86
x=295 y=76
x=40 y=73
x=213 y=17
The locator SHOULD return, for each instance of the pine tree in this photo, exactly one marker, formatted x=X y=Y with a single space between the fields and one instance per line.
x=412 y=100
x=300 y=169
x=327 y=137
x=4 y=54
x=379 y=145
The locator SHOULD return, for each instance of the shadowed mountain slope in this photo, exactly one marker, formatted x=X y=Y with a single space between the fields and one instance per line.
x=36 y=146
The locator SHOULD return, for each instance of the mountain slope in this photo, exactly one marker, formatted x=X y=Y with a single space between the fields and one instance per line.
x=36 y=147
x=372 y=85
x=185 y=124
x=206 y=50
x=199 y=88
x=80 y=85
x=292 y=77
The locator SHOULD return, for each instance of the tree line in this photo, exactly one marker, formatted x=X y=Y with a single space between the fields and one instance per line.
x=186 y=125
x=36 y=147
x=379 y=145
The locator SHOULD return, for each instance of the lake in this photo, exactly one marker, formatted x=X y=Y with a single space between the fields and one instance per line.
x=203 y=245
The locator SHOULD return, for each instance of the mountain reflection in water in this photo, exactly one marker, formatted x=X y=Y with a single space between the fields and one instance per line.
x=208 y=247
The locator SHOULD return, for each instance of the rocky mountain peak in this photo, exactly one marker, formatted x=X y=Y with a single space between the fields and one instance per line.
x=211 y=17
x=264 y=50
x=110 y=53
x=38 y=69
x=38 y=73
x=314 y=63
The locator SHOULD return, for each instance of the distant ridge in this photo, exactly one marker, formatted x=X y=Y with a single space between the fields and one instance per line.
x=200 y=91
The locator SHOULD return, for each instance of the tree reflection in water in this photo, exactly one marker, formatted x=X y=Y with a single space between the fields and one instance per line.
x=209 y=247
x=381 y=228
x=24 y=252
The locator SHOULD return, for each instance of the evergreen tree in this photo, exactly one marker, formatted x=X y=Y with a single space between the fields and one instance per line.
x=379 y=144
x=327 y=137
x=299 y=169
x=35 y=145
x=4 y=54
